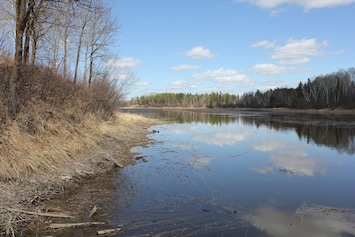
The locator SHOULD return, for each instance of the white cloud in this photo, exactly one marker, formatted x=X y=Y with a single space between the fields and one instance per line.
x=265 y=44
x=128 y=62
x=306 y=4
x=293 y=52
x=268 y=69
x=296 y=61
x=184 y=67
x=199 y=52
x=295 y=49
x=222 y=76
x=181 y=84
x=143 y=83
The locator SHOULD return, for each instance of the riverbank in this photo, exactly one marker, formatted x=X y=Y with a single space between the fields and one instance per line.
x=35 y=168
x=329 y=111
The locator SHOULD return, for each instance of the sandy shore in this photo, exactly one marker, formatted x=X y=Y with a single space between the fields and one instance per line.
x=96 y=149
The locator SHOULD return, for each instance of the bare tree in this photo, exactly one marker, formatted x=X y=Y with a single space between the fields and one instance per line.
x=82 y=25
x=101 y=30
x=7 y=19
x=23 y=12
x=46 y=26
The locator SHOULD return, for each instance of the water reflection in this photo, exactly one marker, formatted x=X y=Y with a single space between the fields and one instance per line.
x=186 y=116
x=288 y=158
x=278 y=223
x=237 y=174
x=222 y=137
x=336 y=132
x=200 y=162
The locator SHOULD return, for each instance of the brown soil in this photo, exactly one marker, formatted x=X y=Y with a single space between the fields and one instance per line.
x=61 y=162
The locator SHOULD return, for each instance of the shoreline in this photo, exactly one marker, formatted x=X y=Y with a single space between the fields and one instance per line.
x=114 y=140
x=327 y=111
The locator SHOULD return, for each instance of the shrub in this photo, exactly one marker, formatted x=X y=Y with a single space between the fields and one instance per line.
x=44 y=94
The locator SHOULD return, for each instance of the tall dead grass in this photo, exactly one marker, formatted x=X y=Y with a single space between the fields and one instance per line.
x=57 y=119
x=63 y=133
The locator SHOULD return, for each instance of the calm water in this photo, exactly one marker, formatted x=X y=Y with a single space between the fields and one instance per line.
x=232 y=174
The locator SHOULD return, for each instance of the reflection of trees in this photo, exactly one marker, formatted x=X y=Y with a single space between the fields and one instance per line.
x=322 y=131
x=337 y=132
x=340 y=138
x=183 y=116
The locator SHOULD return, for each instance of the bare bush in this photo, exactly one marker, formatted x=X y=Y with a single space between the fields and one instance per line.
x=46 y=95
x=105 y=97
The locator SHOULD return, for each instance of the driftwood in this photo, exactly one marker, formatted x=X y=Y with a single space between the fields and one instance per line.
x=73 y=225
x=109 y=158
x=93 y=211
x=59 y=215
x=108 y=231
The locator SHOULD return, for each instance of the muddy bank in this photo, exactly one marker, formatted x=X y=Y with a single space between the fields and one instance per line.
x=94 y=148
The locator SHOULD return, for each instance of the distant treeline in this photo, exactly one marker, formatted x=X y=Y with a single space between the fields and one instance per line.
x=332 y=90
x=188 y=100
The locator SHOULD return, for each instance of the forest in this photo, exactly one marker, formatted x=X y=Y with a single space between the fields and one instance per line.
x=333 y=90
x=48 y=45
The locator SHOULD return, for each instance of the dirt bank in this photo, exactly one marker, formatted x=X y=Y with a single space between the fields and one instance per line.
x=34 y=169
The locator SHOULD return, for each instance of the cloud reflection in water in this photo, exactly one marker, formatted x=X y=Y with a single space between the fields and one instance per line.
x=282 y=223
x=200 y=162
x=288 y=158
x=222 y=137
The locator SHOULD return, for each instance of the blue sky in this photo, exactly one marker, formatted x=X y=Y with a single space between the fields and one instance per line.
x=232 y=46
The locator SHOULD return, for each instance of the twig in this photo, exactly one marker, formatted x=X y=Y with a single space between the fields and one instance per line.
x=93 y=211
x=114 y=161
x=68 y=225
x=59 y=215
x=108 y=231
x=9 y=228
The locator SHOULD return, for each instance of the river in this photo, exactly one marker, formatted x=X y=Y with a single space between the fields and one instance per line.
x=229 y=173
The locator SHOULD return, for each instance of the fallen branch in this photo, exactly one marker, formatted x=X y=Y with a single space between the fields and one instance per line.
x=108 y=231
x=72 y=225
x=93 y=211
x=59 y=215
x=114 y=161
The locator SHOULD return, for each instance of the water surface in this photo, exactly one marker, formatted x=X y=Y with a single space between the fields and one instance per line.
x=234 y=174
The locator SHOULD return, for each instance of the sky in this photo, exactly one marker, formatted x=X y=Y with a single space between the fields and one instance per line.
x=231 y=46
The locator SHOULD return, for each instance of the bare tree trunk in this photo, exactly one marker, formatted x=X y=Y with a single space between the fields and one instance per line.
x=15 y=76
x=91 y=65
x=23 y=12
x=92 y=51
x=65 y=56
x=86 y=63
x=34 y=47
x=26 y=50
x=79 y=47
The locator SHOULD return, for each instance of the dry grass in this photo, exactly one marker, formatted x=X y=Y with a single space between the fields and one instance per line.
x=63 y=133
x=34 y=167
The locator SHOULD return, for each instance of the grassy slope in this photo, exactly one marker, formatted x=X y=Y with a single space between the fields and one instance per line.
x=63 y=134
x=36 y=168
